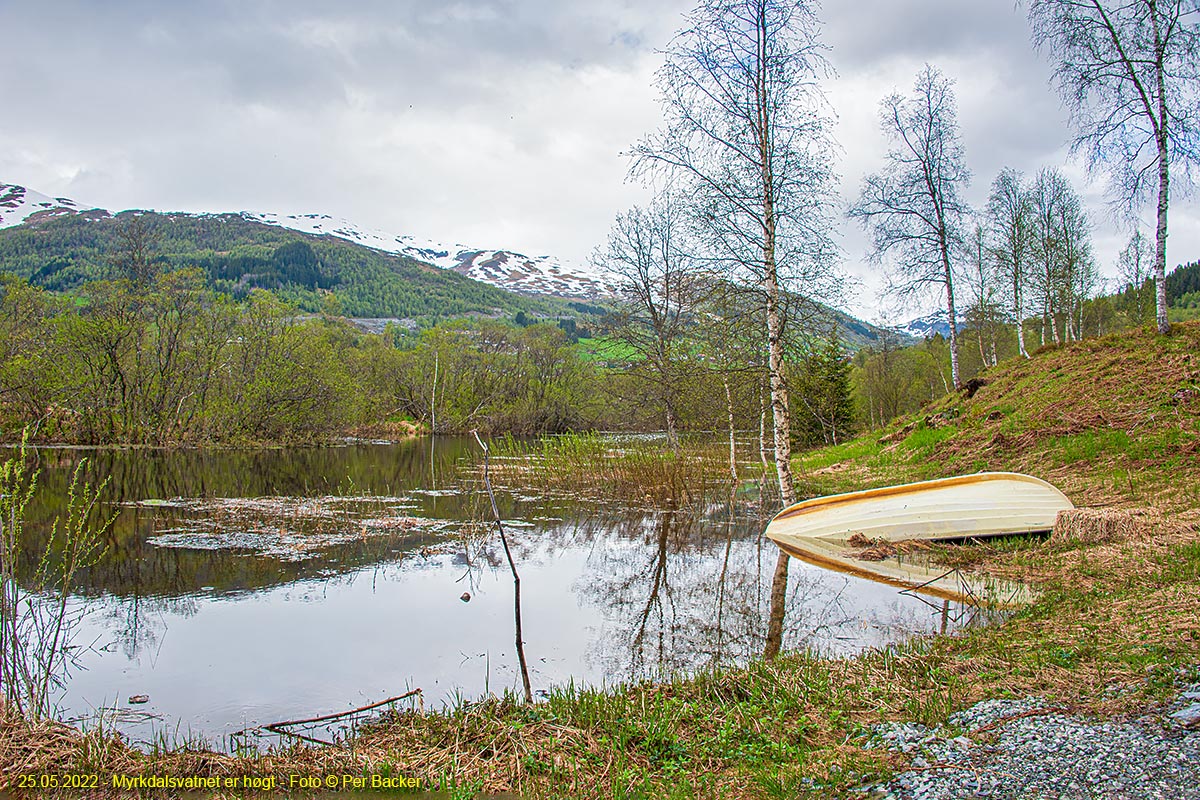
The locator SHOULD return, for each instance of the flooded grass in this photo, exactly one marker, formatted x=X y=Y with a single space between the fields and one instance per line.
x=630 y=470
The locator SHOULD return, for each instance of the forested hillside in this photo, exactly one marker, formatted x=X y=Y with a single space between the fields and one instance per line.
x=1183 y=291
x=237 y=255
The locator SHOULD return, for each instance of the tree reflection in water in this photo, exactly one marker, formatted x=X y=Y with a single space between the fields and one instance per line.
x=616 y=593
x=138 y=623
x=685 y=589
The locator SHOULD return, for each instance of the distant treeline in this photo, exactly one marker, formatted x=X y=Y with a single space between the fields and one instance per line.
x=173 y=362
x=1183 y=287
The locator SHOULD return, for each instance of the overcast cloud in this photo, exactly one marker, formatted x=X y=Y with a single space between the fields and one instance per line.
x=497 y=124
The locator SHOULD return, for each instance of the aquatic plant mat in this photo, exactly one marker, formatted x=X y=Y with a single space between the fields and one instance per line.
x=287 y=528
x=1115 y=617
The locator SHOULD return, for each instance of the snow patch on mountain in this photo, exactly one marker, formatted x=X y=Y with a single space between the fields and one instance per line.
x=929 y=325
x=503 y=268
x=18 y=205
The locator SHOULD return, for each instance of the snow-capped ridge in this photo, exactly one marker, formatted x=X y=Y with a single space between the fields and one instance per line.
x=931 y=324
x=19 y=204
x=502 y=268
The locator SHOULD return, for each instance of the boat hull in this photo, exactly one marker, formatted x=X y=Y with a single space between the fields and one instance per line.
x=985 y=504
x=823 y=530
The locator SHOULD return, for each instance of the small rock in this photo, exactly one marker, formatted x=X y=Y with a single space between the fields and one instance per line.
x=1188 y=717
x=137 y=699
x=465 y=597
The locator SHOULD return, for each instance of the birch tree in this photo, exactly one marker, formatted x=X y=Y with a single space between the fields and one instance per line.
x=1134 y=266
x=1061 y=252
x=1046 y=194
x=1129 y=71
x=1008 y=227
x=654 y=276
x=1077 y=272
x=983 y=313
x=913 y=205
x=136 y=255
x=747 y=131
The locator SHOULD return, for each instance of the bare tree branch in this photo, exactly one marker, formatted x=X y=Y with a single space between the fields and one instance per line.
x=913 y=207
x=1129 y=71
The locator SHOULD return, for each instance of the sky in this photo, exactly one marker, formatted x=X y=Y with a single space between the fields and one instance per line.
x=492 y=123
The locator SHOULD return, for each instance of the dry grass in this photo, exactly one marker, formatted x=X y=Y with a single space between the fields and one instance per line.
x=395 y=431
x=870 y=549
x=587 y=466
x=1090 y=526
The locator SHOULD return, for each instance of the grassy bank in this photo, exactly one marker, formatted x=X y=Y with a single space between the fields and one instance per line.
x=1115 y=422
x=1110 y=421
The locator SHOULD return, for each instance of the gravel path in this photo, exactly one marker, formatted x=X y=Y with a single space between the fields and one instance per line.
x=1009 y=749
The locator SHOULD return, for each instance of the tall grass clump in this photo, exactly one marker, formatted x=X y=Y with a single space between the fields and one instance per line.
x=629 y=470
x=37 y=619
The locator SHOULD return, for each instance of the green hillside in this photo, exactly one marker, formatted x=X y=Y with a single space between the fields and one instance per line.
x=1110 y=420
x=238 y=255
x=315 y=273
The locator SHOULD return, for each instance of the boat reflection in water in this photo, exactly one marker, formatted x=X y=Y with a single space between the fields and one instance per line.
x=878 y=533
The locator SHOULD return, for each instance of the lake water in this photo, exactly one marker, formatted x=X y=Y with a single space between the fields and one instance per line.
x=241 y=588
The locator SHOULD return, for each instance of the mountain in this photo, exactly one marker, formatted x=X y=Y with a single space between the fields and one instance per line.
x=531 y=275
x=928 y=325
x=19 y=205
x=60 y=244
x=540 y=275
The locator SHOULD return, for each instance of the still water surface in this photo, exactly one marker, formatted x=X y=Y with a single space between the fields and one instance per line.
x=242 y=588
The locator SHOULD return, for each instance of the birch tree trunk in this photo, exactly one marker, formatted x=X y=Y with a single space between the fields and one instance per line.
x=762 y=430
x=748 y=132
x=1160 y=253
x=733 y=476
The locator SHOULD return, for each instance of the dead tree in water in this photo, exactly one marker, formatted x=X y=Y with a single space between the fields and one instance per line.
x=487 y=481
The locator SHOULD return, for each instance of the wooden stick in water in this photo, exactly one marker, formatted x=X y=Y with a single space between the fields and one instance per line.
x=275 y=727
x=487 y=481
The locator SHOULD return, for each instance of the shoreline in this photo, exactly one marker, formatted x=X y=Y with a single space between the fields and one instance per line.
x=801 y=721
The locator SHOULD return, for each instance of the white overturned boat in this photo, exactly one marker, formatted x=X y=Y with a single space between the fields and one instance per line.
x=986 y=504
